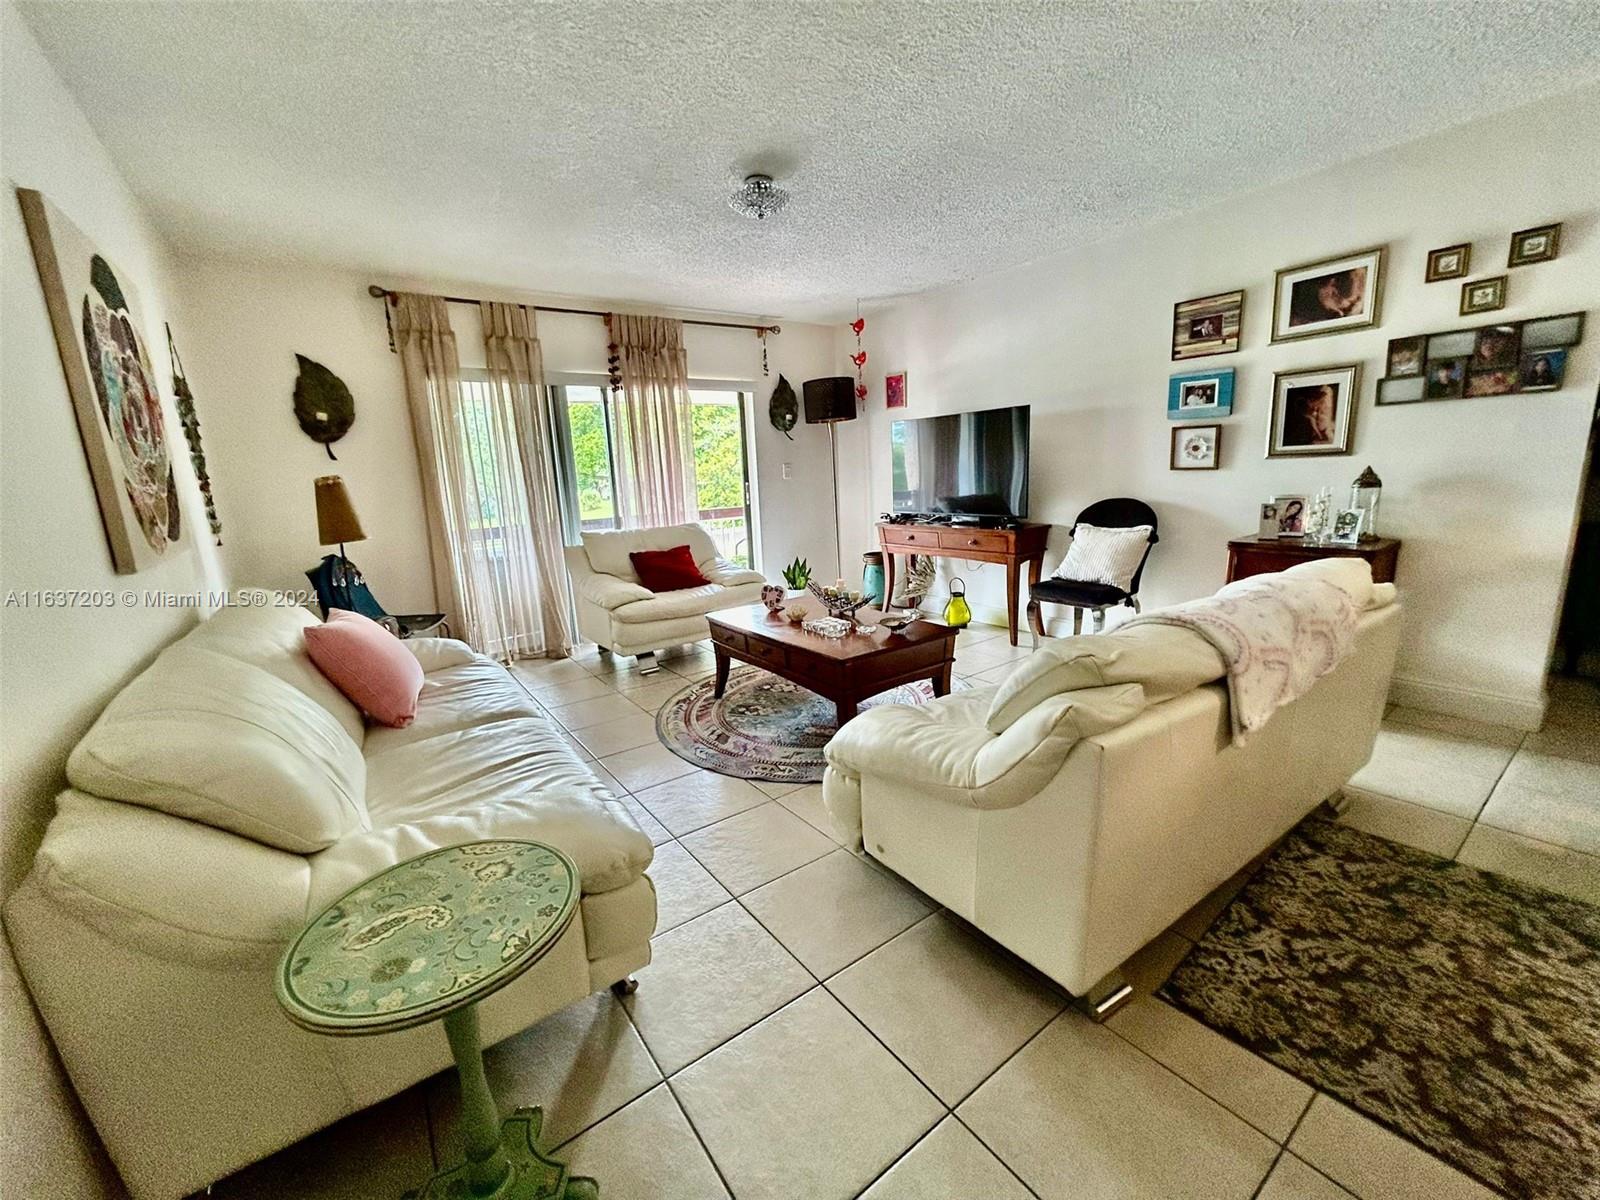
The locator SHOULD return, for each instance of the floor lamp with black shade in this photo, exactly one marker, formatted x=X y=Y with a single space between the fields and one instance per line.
x=827 y=402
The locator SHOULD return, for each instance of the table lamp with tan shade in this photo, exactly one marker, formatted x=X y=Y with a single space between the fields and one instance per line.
x=338 y=581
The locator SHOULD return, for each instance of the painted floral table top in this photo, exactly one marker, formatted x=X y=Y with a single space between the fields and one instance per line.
x=428 y=936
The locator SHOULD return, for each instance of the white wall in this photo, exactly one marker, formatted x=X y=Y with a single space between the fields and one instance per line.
x=242 y=324
x=1482 y=491
x=60 y=665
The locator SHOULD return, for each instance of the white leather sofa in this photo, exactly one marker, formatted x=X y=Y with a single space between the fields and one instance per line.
x=623 y=616
x=223 y=798
x=1073 y=827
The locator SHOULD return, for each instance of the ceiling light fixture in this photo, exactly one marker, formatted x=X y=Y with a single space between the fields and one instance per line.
x=758 y=197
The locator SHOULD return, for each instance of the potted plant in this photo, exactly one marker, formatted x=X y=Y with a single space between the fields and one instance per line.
x=797 y=574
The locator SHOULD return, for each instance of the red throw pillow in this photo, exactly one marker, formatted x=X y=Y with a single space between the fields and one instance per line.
x=667 y=570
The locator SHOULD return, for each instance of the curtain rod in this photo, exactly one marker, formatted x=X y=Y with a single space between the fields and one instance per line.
x=388 y=296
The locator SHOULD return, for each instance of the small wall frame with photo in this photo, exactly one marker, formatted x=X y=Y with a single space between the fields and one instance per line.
x=1208 y=325
x=1200 y=395
x=1347 y=525
x=1483 y=295
x=1539 y=244
x=1448 y=262
x=1490 y=360
x=1196 y=448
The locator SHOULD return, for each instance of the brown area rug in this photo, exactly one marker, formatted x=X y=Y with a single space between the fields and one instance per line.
x=1459 y=1008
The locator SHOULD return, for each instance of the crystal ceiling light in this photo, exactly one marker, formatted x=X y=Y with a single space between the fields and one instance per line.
x=758 y=197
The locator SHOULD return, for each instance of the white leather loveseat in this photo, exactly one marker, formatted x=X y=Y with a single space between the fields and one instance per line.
x=1073 y=826
x=224 y=797
x=619 y=613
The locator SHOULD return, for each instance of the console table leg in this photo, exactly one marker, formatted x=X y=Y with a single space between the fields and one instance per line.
x=888 y=579
x=1011 y=599
x=487 y=1164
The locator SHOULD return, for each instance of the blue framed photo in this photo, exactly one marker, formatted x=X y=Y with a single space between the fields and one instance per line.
x=1200 y=396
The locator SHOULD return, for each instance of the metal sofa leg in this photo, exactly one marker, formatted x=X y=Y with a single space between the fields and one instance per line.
x=1102 y=1001
x=625 y=987
x=1336 y=804
x=647 y=662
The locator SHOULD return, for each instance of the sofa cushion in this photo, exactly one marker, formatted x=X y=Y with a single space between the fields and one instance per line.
x=608 y=550
x=513 y=778
x=689 y=602
x=667 y=570
x=272 y=636
x=1102 y=555
x=207 y=737
x=479 y=692
x=368 y=664
x=1164 y=660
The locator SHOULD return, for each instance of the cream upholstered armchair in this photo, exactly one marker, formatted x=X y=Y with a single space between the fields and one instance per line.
x=625 y=617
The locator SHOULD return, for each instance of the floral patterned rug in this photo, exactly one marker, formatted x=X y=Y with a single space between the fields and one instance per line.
x=763 y=728
x=1459 y=1008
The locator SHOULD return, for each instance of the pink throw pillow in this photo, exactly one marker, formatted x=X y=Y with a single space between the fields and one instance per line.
x=368 y=664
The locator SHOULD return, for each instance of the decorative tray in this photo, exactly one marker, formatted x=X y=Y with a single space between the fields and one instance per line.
x=829 y=627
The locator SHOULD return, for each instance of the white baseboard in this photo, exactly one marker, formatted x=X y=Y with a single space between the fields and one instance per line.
x=1518 y=712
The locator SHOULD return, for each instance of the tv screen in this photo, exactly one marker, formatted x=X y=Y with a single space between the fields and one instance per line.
x=971 y=464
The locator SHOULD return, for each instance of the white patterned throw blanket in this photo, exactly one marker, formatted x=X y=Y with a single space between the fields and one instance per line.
x=1278 y=635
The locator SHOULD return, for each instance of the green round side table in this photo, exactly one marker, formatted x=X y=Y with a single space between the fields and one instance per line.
x=426 y=940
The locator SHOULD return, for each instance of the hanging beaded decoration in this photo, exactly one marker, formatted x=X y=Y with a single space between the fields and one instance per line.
x=613 y=362
x=860 y=356
x=190 y=420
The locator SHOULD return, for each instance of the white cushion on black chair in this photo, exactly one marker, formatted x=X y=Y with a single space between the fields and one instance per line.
x=1100 y=555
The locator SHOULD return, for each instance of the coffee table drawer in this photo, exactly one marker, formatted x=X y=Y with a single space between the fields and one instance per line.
x=729 y=640
x=991 y=540
x=765 y=653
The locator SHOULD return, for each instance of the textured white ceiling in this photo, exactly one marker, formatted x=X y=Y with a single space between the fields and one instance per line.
x=588 y=148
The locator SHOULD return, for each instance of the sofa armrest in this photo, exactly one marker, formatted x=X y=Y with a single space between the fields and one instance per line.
x=609 y=592
x=175 y=889
x=435 y=654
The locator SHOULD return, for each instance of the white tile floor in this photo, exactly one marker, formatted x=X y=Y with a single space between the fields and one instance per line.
x=811 y=1027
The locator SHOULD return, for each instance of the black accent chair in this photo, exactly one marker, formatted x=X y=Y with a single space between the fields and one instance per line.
x=1119 y=513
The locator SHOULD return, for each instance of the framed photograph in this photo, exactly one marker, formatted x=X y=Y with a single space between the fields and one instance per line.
x=128 y=440
x=1334 y=295
x=1483 y=295
x=1499 y=382
x=1196 y=447
x=1448 y=262
x=1267 y=525
x=1291 y=515
x=1405 y=390
x=1347 y=526
x=1456 y=344
x=1563 y=330
x=1542 y=370
x=894 y=390
x=1539 y=244
x=1313 y=412
x=1496 y=346
x=1406 y=356
x=1447 y=378
x=1209 y=325
x=1201 y=395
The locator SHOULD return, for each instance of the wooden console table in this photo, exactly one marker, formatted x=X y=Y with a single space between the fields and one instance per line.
x=1014 y=547
x=1256 y=555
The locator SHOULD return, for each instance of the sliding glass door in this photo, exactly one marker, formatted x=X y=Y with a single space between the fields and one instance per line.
x=721 y=464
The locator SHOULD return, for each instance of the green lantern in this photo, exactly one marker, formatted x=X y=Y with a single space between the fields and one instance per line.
x=956 y=614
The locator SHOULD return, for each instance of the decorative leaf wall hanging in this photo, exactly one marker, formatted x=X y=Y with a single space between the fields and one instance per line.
x=322 y=404
x=784 y=408
x=190 y=420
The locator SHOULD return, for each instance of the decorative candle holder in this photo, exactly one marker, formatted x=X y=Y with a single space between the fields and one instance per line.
x=840 y=603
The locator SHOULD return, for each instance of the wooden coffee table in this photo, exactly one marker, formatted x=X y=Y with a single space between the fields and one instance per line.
x=846 y=670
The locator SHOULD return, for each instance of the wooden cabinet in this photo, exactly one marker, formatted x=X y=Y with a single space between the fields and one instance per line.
x=1255 y=555
x=1021 y=545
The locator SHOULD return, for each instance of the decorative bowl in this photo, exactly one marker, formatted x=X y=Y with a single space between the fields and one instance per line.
x=894 y=622
x=840 y=602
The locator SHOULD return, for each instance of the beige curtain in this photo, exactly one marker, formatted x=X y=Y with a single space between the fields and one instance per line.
x=482 y=449
x=653 y=423
x=532 y=597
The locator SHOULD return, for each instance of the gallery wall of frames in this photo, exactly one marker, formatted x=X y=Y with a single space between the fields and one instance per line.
x=1313 y=410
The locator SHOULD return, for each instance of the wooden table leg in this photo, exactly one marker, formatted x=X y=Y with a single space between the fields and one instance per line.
x=723 y=663
x=941 y=680
x=844 y=711
x=888 y=578
x=1011 y=599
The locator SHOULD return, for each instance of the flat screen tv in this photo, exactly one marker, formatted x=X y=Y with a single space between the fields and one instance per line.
x=971 y=464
